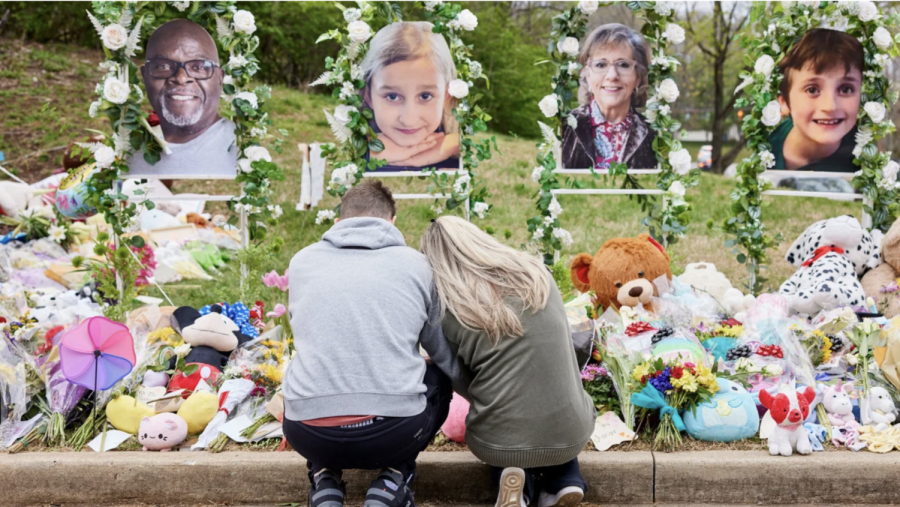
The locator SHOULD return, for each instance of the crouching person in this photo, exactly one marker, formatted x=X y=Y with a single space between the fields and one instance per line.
x=504 y=318
x=358 y=394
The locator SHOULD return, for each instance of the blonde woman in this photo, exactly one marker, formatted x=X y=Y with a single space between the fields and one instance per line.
x=504 y=319
x=407 y=72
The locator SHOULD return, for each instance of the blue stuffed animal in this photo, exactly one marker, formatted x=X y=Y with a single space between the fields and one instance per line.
x=728 y=416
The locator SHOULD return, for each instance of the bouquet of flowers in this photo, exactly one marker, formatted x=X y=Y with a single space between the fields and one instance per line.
x=599 y=386
x=672 y=387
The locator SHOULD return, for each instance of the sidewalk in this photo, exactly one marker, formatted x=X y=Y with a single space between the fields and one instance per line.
x=266 y=478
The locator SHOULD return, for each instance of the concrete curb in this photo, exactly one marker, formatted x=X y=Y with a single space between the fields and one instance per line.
x=259 y=478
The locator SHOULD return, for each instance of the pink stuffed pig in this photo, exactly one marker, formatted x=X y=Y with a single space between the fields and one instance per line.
x=162 y=432
x=454 y=427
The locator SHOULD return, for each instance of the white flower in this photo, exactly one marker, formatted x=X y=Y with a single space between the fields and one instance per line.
x=568 y=46
x=677 y=188
x=554 y=208
x=233 y=371
x=650 y=114
x=563 y=236
x=475 y=69
x=674 y=33
x=663 y=8
x=810 y=3
x=767 y=158
x=461 y=185
x=114 y=36
x=342 y=113
x=458 y=88
x=437 y=209
x=249 y=97
x=244 y=22
x=348 y=90
x=573 y=68
x=431 y=5
x=115 y=91
x=465 y=20
x=244 y=165
x=480 y=208
x=588 y=7
x=181 y=6
x=344 y=175
x=668 y=90
x=839 y=23
x=875 y=110
x=94 y=109
x=681 y=161
x=548 y=221
x=881 y=59
x=258 y=132
x=549 y=105
x=890 y=171
x=787 y=4
x=324 y=216
x=237 y=61
x=772 y=370
x=660 y=61
x=868 y=11
x=852 y=8
x=664 y=109
x=764 y=65
x=104 y=156
x=57 y=233
x=538 y=234
x=356 y=72
x=882 y=38
x=182 y=350
x=275 y=210
x=351 y=15
x=771 y=114
x=537 y=173
x=359 y=31
x=228 y=80
x=255 y=153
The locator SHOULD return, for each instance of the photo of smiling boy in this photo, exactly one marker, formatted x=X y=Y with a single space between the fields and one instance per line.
x=407 y=72
x=821 y=94
x=184 y=83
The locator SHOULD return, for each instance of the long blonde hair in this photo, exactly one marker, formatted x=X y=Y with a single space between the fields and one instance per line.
x=411 y=40
x=473 y=274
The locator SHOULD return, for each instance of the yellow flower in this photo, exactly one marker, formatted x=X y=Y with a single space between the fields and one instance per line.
x=641 y=371
x=165 y=335
x=271 y=372
x=710 y=382
x=731 y=332
x=687 y=382
x=826 y=349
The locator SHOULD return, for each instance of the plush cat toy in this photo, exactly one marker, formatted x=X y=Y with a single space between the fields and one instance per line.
x=212 y=338
x=162 y=432
x=789 y=408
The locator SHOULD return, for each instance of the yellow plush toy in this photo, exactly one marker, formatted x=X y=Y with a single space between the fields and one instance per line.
x=125 y=414
x=198 y=410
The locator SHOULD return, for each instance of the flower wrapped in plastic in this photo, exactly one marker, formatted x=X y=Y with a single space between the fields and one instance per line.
x=619 y=362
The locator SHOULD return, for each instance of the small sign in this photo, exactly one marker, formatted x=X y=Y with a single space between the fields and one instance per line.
x=609 y=430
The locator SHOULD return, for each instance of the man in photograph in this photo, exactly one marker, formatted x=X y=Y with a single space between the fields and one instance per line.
x=183 y=82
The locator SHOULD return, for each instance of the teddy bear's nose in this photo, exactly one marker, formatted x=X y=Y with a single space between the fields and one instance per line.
x=635 y=291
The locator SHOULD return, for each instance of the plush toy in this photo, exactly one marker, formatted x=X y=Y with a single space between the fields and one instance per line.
x=836 y=401
x=198 y=410
x=17 y=197
x=622 y=272
x=705 y=277
x=162 y=432
x=737 y=303
x=728 y=416
x=830 y=255
x=878 y=407
x=212 y=338
x=789 y=408
x=886 y=274
x=155 y=379
x=679 y=349
x=125 y=414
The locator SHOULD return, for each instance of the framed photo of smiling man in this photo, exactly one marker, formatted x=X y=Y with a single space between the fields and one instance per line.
x=184 y=83
x=407 y=72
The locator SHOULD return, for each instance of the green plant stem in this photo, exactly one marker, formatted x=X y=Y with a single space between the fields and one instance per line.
x=258 y=423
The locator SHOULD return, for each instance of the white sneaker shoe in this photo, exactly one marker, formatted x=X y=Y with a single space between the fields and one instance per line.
x=512 y=485
x=566 y=497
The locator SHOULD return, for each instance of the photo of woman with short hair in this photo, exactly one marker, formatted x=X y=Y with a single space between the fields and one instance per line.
x=407 y=71
x=613 y=85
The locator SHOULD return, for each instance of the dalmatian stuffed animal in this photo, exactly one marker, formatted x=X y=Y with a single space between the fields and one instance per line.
x=830 y=256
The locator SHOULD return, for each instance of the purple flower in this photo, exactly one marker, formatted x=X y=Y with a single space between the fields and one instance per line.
x=661 y=383
x=890 y=288
x=592 y=371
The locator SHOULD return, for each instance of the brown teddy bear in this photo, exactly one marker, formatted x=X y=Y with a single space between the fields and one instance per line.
x=622 y=272
x=886 y=274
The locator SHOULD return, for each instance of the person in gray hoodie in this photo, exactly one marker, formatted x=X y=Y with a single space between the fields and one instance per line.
x=358 y=393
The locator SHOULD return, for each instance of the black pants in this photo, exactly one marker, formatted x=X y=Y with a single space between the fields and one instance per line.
x=388 y=442
x=548 y=479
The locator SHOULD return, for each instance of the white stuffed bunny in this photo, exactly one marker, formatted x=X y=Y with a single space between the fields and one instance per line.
x=878 y=407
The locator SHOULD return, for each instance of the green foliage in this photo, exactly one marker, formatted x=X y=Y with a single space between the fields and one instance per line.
x=603 y=393
x=563 y=279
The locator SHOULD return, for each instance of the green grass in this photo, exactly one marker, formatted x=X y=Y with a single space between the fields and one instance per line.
x=591 y=219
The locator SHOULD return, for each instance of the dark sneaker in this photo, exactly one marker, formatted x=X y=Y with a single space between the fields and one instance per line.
x=389 y=489
x=327 y=490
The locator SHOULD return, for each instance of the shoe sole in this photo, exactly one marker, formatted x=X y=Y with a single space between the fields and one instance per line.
x=512 y=485
x=569 y=499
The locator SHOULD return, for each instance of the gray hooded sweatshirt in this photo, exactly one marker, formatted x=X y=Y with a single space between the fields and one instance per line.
x=361 y=302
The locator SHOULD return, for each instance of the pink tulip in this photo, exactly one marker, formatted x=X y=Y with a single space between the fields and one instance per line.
x=270 y=279
x=282 y=282
x=278 y=311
